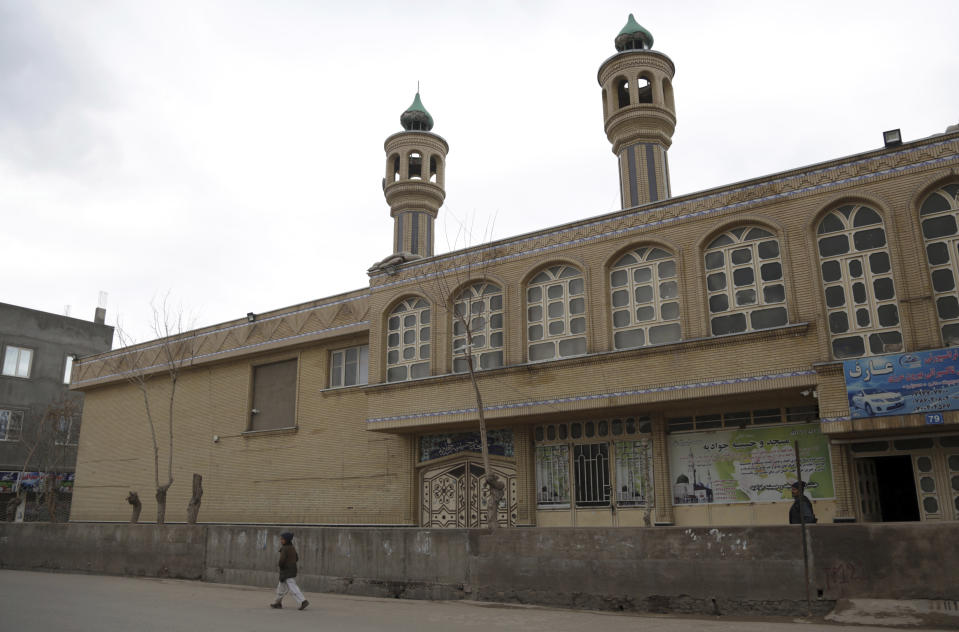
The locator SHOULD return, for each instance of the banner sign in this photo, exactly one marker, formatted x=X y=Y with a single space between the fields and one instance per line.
x=8 y=481
x=66 y=482
x=903 y=383
x=749 y=465
x=30 y=481
x=498 y=442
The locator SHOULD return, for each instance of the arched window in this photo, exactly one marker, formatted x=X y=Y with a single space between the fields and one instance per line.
x=416 y=166
x=408 y=341
x=556 y=314
x=622 y=92
x=938 y=214
x=645 y=298
x=645 y=90
x=861 y=307
x=478 y=312
x=744 y=281
x=395 y=168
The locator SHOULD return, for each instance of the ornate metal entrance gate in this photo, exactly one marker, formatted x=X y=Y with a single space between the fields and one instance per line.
x=454 y=495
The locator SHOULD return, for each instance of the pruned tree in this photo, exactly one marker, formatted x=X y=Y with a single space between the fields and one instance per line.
x=134 y=499
x=193 y=509
x=154 y=369
x=472 y=267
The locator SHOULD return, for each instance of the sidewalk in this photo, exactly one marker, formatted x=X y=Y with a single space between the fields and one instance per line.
x=38 y=602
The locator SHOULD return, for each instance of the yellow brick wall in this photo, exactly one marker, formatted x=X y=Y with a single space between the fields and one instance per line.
x=330 y=470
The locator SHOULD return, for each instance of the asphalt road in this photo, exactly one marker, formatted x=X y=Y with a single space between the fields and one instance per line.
x=43 y=602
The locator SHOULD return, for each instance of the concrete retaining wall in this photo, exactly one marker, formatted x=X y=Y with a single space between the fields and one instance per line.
x=144 y=550
x=728 y=570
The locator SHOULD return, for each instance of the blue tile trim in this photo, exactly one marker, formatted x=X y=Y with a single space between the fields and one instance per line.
x=651 y=174
x=415 y=233
x=596 y=396
x=631 y=174
x=827 y=420
x=230 y=350
x=122 y=352
x=679 y=218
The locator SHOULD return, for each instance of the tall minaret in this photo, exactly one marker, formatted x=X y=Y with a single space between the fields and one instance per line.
x=415 y=174
x=639 y=113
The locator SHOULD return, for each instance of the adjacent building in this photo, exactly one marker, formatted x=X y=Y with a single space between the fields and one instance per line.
x=661 y=365
x=39 y=416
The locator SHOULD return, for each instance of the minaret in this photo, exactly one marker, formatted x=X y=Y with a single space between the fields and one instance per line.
x=415 y=171
x=639 y=113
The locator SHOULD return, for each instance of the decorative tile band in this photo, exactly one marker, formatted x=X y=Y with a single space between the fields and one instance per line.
x=670 y=220
x=230 y=350
x=827 y=420
x=220 y=330
x=596 y=396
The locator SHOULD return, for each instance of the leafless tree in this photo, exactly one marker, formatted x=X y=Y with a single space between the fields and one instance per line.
x=165 y=358
x=471 y=265
x=134 y=499
x=193 y=509
x=48 y=448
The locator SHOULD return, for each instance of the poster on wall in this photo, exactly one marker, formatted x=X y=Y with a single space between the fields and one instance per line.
x=8 y=481
x=903 y=383
x=748 y=465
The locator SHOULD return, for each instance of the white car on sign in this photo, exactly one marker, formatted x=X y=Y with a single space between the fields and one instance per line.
x=875 y=401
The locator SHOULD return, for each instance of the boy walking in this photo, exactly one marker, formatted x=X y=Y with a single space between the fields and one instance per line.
x=288 y=559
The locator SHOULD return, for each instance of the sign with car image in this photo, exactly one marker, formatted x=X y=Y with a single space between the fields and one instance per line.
x=903 y=383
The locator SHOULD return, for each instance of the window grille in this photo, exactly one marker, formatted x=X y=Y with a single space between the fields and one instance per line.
x=861 y=308
x=644 y=294
x=480 y=308
x=591 y=461
x=739 y=419
x=552 y=475
x=939 y=214
x=634 y=473
x=11 y=424
x=556 y=314
x=408 y=341
x=745 y=282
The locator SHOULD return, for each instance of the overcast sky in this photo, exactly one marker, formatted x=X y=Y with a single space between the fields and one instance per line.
x=230 y=152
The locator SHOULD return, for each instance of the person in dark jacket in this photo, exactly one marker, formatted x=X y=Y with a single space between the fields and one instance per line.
x=288 y=559
x=801 y=503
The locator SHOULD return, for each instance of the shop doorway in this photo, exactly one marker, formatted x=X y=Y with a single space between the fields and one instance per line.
x=893 y=489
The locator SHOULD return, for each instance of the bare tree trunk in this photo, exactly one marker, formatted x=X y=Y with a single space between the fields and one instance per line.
x=134 y=499
x=161 y=503
x=13 y=504
x=193 y=509
x=496 y=486
x=52 y=498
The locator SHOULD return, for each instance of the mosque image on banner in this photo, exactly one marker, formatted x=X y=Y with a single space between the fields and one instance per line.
x=749 y=465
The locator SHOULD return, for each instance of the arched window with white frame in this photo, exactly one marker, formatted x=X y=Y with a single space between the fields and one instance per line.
x=478 y=314
x=556 y=314
x=745 y=283
x=861 y=308
x=939 y=217
x=644 y=295
x=408 y=340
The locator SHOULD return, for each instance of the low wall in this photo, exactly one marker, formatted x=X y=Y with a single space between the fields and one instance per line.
x=727 y=570
x=411 y=563
x=144 y=550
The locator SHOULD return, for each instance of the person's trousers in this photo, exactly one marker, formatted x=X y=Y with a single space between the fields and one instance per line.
x=289 y=586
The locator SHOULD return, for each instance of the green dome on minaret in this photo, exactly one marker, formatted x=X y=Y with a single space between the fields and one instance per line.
x=633 y=36
x=416 y=117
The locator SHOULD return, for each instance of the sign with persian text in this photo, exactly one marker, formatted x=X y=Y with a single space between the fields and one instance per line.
x=749 y=464
x=903 y=383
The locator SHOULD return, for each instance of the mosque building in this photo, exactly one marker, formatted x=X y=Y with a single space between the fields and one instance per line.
x=664 y=364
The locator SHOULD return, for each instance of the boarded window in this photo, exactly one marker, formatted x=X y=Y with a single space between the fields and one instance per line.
x=274 y=396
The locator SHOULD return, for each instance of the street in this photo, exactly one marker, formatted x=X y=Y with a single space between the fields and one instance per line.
x=39 y=602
